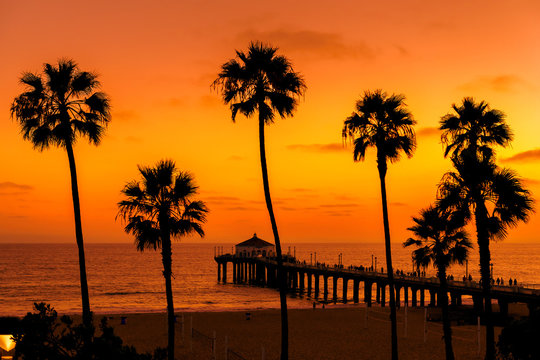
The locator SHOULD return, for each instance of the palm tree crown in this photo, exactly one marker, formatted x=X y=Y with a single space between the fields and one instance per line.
x=440 y=239
x=480 y=182
x=383 y=122
x=261 y=81
x=164 y=194
x=474 y=125
x=61 y=105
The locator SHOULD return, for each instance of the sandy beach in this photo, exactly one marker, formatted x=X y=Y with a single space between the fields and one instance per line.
x=331 y=333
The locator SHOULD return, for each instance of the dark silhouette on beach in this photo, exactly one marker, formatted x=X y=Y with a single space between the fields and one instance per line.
x=262 y=81
x=56 y=108
x=383 y=122
x=495 y=196
x=158 y=208
x=441 y=241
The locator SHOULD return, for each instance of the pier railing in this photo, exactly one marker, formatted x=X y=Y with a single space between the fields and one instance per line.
x=262 y=271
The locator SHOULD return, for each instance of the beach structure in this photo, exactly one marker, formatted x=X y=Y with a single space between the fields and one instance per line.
x=306 y=279
x=255 y=247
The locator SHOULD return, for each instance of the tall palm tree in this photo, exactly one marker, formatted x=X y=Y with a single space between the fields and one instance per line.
x=383 y=122
x=440 y=241
x=474 y=126
x=469 y=136
x=262 y=81
x=57 y=107
x=158 y=208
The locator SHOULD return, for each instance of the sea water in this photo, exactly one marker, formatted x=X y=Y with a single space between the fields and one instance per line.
x=123 y=280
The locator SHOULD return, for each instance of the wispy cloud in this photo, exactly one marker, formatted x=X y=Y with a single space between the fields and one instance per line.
x=428 y=131
x=340 y=206
x=235 y=158
x=319 y=148
x=133 y=139
x=502 y=83
x=338 y=213
x=399 y=204
x=222 y=199
x=529 y=181
x=525 y=156
x=11 y=188
x=242 y=208
x=301 y=190
x=176 y=102
x=311 y=42
x=125 y=115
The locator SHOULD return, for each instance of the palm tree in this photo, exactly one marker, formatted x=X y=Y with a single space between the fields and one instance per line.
x=440 y=241
x=55 y=109
x=383 y=122
x=158 y=208
x=262 y=81
x=479 y=185
x=474 y=126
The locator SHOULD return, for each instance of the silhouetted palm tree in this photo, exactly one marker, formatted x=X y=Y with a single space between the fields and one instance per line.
x=382 y=122
x=469 y=136
x=262 y=81
x=55 y=109
x=440 y=241
x=476 y=127
x=158 y=208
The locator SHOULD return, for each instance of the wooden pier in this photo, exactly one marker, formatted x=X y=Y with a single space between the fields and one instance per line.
x=305 y=279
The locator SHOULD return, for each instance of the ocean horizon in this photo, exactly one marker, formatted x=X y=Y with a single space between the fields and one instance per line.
x=122 y=280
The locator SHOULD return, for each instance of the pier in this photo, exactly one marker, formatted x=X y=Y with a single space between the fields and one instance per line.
x=305 y=279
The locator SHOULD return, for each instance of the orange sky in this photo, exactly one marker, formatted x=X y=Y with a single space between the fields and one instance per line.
x=156 y=62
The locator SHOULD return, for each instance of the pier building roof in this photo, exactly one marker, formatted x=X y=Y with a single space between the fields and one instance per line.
x=255 y=242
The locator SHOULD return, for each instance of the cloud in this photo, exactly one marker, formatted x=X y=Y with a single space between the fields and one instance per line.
x=529 y=181
x=309 y=42
x=319 y=148
x=242 y=208
x=402 y=51
x=124 y=115
x=222 y=199
x=338 y=213
x=428 y=131
x=346 y=197
x=175 y=102
x=210 y=101
x=301 y=190
x=525 y=156
x=397 y=204
x=235 y=158
x=133 y=139
x=340 y=206
x=501 y=83
x=11 y=188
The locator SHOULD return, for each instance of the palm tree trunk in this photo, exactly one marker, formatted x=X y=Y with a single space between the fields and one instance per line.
x=166 y=255
x=87 y=316
x=389 y=269
x=443 y=300
x=485 y=272
x=281 y=274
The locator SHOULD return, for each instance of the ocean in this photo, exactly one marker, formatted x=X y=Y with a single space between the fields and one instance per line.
x=122 y=280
